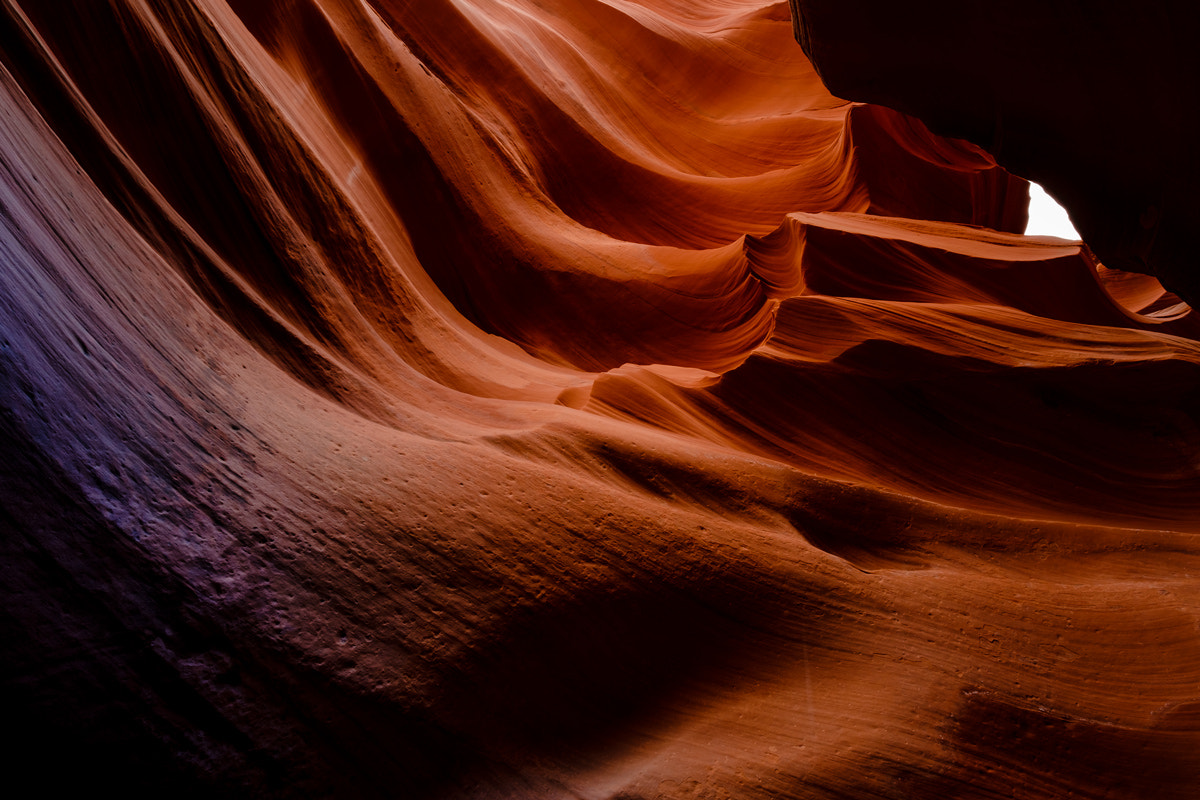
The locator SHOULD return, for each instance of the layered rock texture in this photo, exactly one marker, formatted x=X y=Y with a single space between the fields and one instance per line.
x=466 y=399
x=1094 y=100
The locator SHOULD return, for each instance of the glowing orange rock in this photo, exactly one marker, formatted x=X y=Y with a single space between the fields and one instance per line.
x=473 y=399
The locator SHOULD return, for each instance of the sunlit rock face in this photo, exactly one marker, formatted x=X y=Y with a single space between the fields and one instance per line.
x=521 y=400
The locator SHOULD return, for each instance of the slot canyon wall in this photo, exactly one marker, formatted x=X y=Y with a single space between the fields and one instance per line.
x=466 y=399
x=1093 y=100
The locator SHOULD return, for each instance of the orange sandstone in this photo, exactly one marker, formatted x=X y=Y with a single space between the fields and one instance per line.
x=472 y=399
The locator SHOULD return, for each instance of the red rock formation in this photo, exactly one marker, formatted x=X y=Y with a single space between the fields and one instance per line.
x=1089 y=99
x=465 y=399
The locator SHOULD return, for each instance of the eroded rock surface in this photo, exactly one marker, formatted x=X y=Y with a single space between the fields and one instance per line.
x=577 y=400
x=1092 y=100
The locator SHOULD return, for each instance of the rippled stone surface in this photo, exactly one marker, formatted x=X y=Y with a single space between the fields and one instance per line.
x=575 y=400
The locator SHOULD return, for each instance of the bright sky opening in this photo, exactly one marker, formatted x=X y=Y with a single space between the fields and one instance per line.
x=1047 y=217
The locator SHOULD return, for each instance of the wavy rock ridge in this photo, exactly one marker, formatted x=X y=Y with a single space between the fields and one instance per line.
x=465 y=400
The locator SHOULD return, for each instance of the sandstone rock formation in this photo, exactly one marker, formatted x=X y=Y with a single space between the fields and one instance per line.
x=1092 y=100
x=466 y=399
